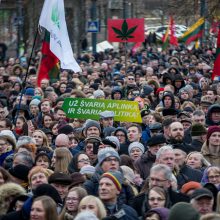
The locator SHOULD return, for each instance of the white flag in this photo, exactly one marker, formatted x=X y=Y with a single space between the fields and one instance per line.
x=53 y=19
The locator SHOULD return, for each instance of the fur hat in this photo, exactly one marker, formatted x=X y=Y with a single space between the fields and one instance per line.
x=136 y=145
x=198 y=130
x=77 y=178
x=9 y=136
x=9 y=190
x=105 y=153
x=99 y=94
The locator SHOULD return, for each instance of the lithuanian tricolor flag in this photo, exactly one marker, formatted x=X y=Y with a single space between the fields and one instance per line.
x=49 y=66
x=194 y=32
x=165 y=39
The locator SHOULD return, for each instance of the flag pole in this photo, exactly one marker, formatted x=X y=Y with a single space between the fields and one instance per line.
x=25 y=78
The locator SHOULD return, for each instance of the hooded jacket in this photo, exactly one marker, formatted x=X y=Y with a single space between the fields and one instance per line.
x=209 y=122
x=172 y=98
x=178 y=77
x=213 y=159
x=8 y=192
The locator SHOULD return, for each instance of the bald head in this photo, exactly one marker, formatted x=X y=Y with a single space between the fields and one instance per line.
x=62 y=140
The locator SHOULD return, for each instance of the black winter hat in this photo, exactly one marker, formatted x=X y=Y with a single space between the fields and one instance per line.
x=20 y=171
x=66 y=129
x=60 y=178
x=157 y=139
x=47 y=190
x=198 y=130
x=169 y=111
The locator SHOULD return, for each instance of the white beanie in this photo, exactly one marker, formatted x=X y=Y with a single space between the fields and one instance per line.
x=98 y=94
x=34 y=102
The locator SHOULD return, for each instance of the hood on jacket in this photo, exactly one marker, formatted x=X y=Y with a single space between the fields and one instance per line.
x=8 y=192
x=172 y=98
x=211 y=109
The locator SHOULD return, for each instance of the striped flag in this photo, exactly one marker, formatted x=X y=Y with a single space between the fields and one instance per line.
x=194 y=32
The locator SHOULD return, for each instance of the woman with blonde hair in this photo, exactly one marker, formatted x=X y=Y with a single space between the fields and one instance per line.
x=188 y=104
x=41 y=139
x=93 y=204
x=44 y=208
x=73 y=198
x=61 y=159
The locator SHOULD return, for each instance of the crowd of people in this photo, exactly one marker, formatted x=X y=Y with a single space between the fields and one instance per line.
x=165 y=168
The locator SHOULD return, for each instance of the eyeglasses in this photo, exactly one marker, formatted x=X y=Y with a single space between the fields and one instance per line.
x=68 y=199
x=214 y=177
x=120 y=135
x=156 y=180
x=111 y=159
x=130 y=78
x=83 y=160
x=158 y=199
x=3 y=144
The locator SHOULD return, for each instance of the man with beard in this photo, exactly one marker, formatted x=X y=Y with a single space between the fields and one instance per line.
x=211 y=147
x=176 y=137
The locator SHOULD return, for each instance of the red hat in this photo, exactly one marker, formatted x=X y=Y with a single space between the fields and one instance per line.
x=189 y=186
x=159 y=90
x=211 y=130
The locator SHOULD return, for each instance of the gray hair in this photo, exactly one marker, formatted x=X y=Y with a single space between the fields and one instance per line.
x=25 y=140
x=26 y=158
x=163 y=149
x=162 y=168
x=85 y=215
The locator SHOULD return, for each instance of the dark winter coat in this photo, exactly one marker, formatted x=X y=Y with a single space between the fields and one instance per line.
x=144 y=164
x=209 y=122
x=172 y=198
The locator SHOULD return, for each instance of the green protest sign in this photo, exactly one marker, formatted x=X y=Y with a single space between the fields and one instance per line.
x=127 y=111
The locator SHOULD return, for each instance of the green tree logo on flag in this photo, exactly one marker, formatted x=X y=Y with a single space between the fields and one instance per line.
x=124 y=33
x=55 y=17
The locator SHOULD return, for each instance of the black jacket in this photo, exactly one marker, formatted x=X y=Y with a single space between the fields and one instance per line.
x=173 y=197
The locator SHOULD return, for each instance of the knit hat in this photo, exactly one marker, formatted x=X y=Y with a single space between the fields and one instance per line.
x=98 y=94
x=9 y=136
x=66 y=129
x=88 y=169
x=183 y=90
x=77 y=178
x=162 y=212
x=29 y=91
x=60 y=178
x=211 y=130
x=34 y=102
x=116 y=177
x=20 y=172
x=136 y=145
x=91 y=123
x=114 y=140
x=190 y=186
x=107 y=114
x=107 y=131
x=128 y=173
x=159 y=90
x=198 y=130
x=155 y=140
x=105 y=153
x=183 y=211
